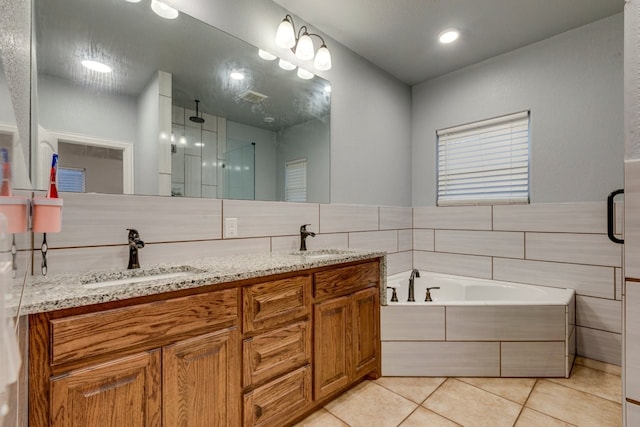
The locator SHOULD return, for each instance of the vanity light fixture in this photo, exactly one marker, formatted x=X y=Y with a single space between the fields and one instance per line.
x=96 y=66
x=305 y=74
x=267 y=56
x=236 y=75
x=163 y=10
x=286 y=65
x=448 y=36
x=302 y=45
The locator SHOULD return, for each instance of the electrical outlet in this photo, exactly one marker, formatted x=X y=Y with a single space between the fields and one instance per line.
x=231 y=227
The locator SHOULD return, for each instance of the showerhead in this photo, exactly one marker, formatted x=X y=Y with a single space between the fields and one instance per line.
x=196 y=118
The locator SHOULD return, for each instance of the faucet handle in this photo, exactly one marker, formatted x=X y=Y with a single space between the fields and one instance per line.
x=427 y=298
x=433 y=287
x=394 y=295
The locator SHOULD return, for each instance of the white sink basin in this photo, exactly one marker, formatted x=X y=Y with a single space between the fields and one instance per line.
x=138 y=279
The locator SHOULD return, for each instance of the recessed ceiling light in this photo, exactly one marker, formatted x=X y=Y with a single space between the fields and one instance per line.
x=448 y=36
x=305 y=74
x=236 y=75
x=286 y=65
x=266 y=55
x=133 y=1
x=163 y=10
x=96 y=66
x=269 y=119
x=327 y=89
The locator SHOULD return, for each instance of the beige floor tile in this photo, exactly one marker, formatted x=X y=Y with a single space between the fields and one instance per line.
x=600 y=366
x=530 y=418
x=471 y=406
x=416 y=389
x=514 y=389
x=369 y=405
x=422 y=417
x=574 y=406
x=589 y=380
x=321 y=418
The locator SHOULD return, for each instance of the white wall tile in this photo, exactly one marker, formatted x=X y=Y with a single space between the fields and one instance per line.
x=102 y=219
x=493 y=243
x=593 y=249
x=506 y=323
x=599 y=345
x=374 y=240
x=209 y=191
x=453 y=217
x=619 y=283
x=321 y=241
x=599 y=313
x=632 y=413
x=632 y=219
x=209 y=157
x=177 y=115
x=585 y=279
x=465 y=359
x=177 y=164
x=632 y=340
x=405 y=240
x=464 y=265
x=339 y=218
x=164 y=184
x=532 y=359
x=164 y=150
x=210 y=122
x=582 y=217
x=261 y=219
x=192 y=176
x=423 y=240
x=395 y=218
x=164 y=83
x=399 y=262
x=398 y=323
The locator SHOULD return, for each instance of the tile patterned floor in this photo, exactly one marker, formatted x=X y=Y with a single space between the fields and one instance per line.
x=590 y=397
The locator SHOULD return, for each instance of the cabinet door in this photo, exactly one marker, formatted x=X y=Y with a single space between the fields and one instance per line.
x=124 y=392
x=201 y=381
x=332 y=358
x=365 y=331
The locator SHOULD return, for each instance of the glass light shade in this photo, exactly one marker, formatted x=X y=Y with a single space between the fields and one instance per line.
x=163 y=10
x=323 y=59
x=285 y=36
x=305 y=74
x=304 y=48
x=286 y=65
x=236 y=75
x=96 y=66
x=267 y=56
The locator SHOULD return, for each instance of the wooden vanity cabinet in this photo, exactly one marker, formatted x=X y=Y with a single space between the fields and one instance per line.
x=346 y=320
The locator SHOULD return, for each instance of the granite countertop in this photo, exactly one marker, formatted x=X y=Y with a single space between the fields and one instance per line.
x=69 y=290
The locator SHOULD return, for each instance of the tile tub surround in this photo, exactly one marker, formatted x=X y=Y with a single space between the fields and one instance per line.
x=478 y=338
x=560 y=245
x=68 y=290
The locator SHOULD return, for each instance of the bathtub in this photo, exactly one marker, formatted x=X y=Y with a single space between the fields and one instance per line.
x=476 y=327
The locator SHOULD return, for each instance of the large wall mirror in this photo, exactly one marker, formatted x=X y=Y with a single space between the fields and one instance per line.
x=263 y=135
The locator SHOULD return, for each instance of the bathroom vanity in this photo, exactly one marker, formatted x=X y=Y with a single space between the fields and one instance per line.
x=259 y=348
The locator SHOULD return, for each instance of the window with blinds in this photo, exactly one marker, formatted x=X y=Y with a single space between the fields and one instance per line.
x=71 y=179
x=296 y=181
x=484 y=163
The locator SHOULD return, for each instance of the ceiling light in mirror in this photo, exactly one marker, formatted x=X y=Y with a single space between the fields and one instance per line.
x=449 y=36
x=286 y=65
x=327 y=89
x=133 y=1
x=304 y=74
x=266 y=55
x=96 y=66
x=237 y=75
x=163 y=10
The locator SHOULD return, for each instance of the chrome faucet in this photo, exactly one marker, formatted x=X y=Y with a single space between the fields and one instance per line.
x=134 y=244
x=414 y=273
x=303 y=236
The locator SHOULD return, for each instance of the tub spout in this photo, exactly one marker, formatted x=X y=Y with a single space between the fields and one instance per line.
x=414 y=273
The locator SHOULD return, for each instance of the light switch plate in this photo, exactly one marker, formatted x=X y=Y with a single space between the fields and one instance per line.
x=231 y=227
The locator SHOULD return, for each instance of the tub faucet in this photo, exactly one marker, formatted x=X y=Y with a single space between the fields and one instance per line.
x=303 y=236
x=428 y=297
x=414 y=273
x=134 y=244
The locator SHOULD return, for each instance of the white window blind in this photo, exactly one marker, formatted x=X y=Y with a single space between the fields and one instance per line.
x=296 y=180
x=71 y=179
x=485 y=162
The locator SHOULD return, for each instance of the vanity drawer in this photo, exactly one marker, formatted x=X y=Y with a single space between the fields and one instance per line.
x=274 y=353
x=275 y=303
x=344 y=280
x=276 y=401
x=140 y=326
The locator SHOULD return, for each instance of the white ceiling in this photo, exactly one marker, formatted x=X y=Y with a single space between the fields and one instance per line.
x=400 y=36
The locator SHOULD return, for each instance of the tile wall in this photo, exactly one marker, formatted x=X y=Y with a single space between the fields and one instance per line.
x=554 y=244
x=559 y=245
